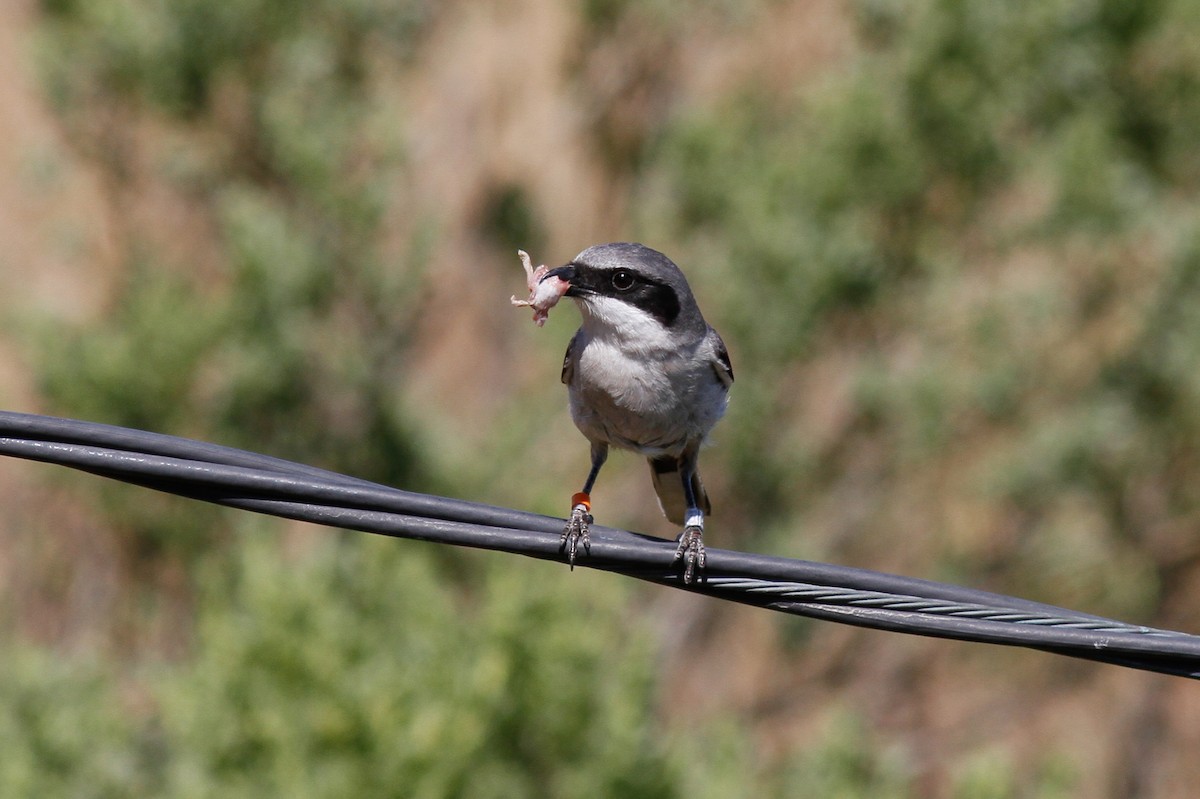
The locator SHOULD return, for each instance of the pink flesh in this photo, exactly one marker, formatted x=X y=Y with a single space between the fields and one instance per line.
x=544 y=293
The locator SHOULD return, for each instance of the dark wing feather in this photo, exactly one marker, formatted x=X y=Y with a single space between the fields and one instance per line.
x=568 y=367
x=668 y=486
x=723 y=367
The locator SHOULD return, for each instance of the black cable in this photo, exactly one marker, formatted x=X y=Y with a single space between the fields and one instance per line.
x=860 y=597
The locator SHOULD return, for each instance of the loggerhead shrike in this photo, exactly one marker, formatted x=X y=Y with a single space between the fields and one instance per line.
x=645 y=373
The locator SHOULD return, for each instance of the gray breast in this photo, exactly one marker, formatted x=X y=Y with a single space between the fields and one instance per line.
x=648 y=405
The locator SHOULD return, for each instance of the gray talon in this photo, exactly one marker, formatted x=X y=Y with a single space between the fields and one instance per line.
x=691 y=550
x=575 y=534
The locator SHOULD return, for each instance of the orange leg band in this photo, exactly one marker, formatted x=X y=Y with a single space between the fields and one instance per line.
x=582 y=499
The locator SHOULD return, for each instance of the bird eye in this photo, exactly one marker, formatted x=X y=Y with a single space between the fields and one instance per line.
x=622 y=280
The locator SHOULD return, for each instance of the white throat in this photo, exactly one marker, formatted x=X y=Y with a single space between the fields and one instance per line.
x=623 y=325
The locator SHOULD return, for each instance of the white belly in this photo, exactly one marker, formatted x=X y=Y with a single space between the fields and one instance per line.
x=652 y=403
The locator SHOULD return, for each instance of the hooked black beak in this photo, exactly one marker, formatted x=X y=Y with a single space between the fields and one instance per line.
x=565 y=273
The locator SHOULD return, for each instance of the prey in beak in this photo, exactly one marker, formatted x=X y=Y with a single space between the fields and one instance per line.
x=546 y=287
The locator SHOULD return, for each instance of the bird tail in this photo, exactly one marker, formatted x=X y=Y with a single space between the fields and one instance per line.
x=668 y=485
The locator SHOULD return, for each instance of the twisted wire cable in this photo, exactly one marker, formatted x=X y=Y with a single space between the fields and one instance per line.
x=263 y=484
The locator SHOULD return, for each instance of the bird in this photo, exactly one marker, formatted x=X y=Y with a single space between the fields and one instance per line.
x=646 y=373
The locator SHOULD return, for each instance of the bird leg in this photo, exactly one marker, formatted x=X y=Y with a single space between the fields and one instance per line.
x=691 y=540
x=580 y=520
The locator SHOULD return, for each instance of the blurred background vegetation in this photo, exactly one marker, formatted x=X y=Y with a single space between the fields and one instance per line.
x=953 y=248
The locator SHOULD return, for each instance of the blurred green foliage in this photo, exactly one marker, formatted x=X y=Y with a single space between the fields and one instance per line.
x=973 y=238
x=63 y=729
x=354 y=671
x=406 y=686
x=292 y=341
x=362 y=671
x=305 y=309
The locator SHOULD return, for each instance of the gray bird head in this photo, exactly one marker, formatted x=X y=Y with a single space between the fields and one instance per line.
x=631 y=288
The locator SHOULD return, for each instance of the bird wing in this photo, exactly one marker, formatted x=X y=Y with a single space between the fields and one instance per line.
x=571 y=356
x=722 y=366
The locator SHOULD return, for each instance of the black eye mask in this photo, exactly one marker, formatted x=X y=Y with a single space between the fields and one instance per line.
x=652 y=296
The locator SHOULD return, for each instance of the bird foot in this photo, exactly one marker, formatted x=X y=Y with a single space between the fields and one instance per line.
x=575 y=534
x=691 y=550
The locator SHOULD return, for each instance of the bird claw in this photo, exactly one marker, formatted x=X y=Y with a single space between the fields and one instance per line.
x=691 y=550
x=576 y=533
